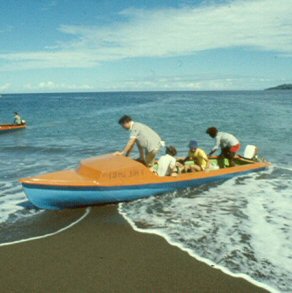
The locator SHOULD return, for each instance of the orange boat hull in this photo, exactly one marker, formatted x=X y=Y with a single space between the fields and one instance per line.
x=110 y=178
x=11 y=127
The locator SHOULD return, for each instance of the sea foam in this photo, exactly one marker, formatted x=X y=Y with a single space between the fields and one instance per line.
x=243 y=226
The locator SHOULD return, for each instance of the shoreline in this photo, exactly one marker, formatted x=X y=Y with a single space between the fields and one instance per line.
x=208 y=262
x=102 y=253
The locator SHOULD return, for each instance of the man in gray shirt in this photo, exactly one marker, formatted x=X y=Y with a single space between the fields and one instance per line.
x=147 y=140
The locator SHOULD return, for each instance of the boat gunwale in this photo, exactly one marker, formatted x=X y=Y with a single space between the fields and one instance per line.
x=90 y=184
x=131 y=187
x=7 y=127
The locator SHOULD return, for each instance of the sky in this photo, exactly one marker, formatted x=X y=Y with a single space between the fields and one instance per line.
x=149 y=45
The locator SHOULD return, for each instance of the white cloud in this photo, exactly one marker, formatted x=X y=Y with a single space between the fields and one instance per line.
x=4 y=87
x=256 y=24
x=262 y=24
x=46 y=59
x=48 y=86
x=157 y=83
x=191 y=83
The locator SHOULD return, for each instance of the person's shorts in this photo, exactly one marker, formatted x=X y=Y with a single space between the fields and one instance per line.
x=229 y=152
x=235 y=148
x=150 y=158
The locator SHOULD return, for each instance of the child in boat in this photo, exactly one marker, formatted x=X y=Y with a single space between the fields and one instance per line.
x=167 y=163
x=198 y=157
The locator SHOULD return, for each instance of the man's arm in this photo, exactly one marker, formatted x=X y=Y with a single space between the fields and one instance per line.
x=212 y=152
x=216 y=147
x=206 y=159
x=128 y=148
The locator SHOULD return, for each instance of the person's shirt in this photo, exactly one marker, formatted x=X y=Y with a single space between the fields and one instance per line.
x=17 y=119
x=200 y=157
x=224 y=140
x=146 y=137
x=165 y=165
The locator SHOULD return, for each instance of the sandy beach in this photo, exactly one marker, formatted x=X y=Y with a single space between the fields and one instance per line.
x=104 y=254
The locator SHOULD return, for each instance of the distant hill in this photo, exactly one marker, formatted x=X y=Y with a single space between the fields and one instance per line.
x=281 y=87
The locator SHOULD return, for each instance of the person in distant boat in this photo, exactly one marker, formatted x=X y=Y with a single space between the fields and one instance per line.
x=167 y=163
x=148 y=141
x=228 y=143
x=197 y=156
x=17 y=119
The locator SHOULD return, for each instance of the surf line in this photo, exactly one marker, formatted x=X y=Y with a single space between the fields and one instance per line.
x=87 y=211
x=197 y=257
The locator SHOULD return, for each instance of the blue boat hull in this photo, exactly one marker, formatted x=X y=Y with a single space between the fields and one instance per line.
x=60 y=197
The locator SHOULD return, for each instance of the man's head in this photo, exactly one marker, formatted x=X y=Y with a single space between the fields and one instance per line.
x=15 y=113
x=212 y=131
x=125 y=121
x=193 y=145
x=171 y=150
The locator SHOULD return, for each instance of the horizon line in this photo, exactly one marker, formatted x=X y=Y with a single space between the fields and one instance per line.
x=131 y=91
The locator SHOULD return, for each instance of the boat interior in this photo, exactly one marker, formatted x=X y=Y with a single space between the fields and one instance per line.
x=216 y=163
x=110 y=170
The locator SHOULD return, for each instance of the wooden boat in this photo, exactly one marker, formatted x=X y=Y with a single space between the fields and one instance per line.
x=110 y=178
x=11 y=127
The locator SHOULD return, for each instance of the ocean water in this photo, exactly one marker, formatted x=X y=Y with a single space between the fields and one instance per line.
x=243 y=226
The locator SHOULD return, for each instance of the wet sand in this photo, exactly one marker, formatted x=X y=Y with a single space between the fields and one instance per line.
x=104 y=254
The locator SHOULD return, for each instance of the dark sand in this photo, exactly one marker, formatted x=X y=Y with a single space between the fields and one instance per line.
x=104 y=254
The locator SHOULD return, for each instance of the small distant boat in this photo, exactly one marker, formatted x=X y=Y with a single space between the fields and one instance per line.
x=11 y=127
x=110 y=178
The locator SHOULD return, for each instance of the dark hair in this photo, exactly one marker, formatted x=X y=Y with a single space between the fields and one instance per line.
x=125 y=119
x=171 y=150
x=212 y=131
x=15 y=113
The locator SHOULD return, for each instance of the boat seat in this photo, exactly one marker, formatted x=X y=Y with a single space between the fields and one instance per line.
x=250 y=152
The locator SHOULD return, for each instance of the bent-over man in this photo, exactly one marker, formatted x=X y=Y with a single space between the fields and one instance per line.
x=228 y=143
x=147 y=140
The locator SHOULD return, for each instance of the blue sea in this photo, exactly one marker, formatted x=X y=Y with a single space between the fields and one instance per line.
x=242 y=226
